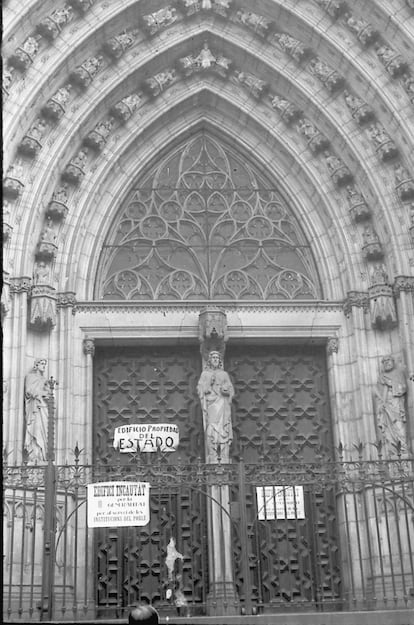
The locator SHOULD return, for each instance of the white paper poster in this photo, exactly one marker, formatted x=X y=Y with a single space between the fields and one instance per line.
x=280 y=502
x=118 y=504
x=146 y=437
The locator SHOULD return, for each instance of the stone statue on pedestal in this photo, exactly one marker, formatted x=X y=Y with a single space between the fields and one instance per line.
x=390 y=412
x=216 y=393
x=36 y=412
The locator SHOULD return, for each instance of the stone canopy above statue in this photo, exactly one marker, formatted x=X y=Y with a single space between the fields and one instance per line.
x=206 y=225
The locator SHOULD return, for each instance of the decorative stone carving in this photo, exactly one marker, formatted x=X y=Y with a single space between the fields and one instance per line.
x=58 y=205
x=99 y=135
x=124 y=109
x=256 y=87
x=47 y=248
x=7 y=79
x=332 y=345
x=364 y=32
x=407 y=82
x=42 y=273
x=24 y=55
x=31 y=142
x=328 y=76
x=356 y=299
x=12 y=184
x=51 y=26
x=89 y=347
x=391 y=414
x=118 y=45
x=36 y=391
x=292 y=47
x=358 y=208
x=155 y=22
x=384 y=145
x=55 y=107
x=411 y=228
x=410 y=4
x=360 y=110
x=315 y=139
x=391 y=60
x=288 y=111
x=334 y=8
x=212 y=331
x=7 y=215
x=160 y=82
x=404 y=183
x=67 y=299
x=19 y=285
x=381 y=300
x=84 y=74
x=257 y=23
x=81 y=5
x=371 y=248
x=191 y=7
x=203 y=62
x=339 y=172
x=42 y=308
x=75 y=170
x=216 y=394
x=403 y=283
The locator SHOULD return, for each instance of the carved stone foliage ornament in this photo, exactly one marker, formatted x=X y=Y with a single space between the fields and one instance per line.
x=155 y=22
x=360 y=110
x=205 y=61
x=205 y=232
x=381 y=301
x=257 y=23
x=390 y=401
x=125 y=108
x=356 y=299
x=403 y=284
x=42 y=308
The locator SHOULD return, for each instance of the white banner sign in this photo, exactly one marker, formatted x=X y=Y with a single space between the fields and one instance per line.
x=280 y=502
x=118 y=504
x=146 y=437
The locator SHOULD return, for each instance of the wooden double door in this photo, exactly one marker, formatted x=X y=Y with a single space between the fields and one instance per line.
x=280 y=413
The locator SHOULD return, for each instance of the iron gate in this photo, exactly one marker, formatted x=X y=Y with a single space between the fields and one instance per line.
x=371 y=566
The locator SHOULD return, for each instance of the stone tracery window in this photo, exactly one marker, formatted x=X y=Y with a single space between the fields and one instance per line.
x=205 y=225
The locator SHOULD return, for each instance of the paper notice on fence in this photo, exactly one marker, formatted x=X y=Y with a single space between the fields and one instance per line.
x=118 y=504
x=146 y=437
x=280 y=502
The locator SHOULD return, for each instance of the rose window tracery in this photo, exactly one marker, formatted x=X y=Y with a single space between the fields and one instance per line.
x=205 y=225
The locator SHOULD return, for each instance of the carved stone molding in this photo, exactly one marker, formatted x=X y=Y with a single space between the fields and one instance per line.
x=66 y=299
x=356 y=299
x=42 y=308
x=332 y=345
x=89 y=347
x=212 y=330
x=403 y=283
x=20 y=284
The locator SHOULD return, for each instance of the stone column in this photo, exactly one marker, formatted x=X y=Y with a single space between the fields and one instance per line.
x=216 y=393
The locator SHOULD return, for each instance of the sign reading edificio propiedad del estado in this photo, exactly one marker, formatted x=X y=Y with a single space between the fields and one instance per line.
x=118 y=504
x=146 y=437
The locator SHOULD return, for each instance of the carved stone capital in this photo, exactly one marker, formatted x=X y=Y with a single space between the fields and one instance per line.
x=20 y=285
x=42 y=308
x=89 y=347
x=357 y=299
x=403 y=283
x=66 y=299
x=212 y=330
x=332 y=345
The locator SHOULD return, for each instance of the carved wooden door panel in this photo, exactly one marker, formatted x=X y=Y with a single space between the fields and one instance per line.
x=148 y=386
x=281 y=409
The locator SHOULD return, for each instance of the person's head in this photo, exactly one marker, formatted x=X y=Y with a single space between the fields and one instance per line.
x=388 y=363
x=214 y=360
x=143 y=614
x=40 y=364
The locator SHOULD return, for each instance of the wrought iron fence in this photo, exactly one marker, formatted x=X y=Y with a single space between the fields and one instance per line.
x=234 y=538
